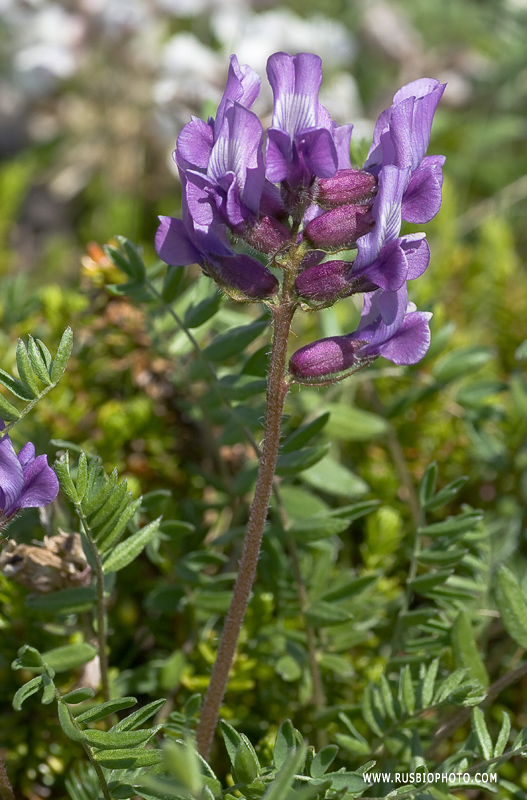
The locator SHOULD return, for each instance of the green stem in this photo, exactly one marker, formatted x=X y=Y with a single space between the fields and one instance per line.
x=101 y=605
x=277 y=388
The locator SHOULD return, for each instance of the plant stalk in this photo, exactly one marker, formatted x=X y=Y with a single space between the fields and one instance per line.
x=277 y=388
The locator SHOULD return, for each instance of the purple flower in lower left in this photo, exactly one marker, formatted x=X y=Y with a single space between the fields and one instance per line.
x=26 y=481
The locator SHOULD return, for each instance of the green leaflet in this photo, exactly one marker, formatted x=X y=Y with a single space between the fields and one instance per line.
x=511 y=605
x=125 y=552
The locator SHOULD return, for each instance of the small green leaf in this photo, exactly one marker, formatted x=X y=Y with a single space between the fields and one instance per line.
x=482 y=734
x=425 y=582
x=387 y=697
x=289 y=464
x=246 y=767
x=370 y=713
x=105 y=709
x=323 y=760
x=234 y=341
x=62 y=470
x=38 y=364
x=428 y=484
x=461 y=362
x=406 y=690
x=136 y=718
x=28 y=658
x=67 y=724
x=82 y=476
x=128 y=759
x=8 y=412
x=172 y=283
x=292 y=764
x=446 y=494
x=69 y=656
x=307 y=530
x=428 y=683
x=125 y=552
x=512 y=606
x=320 y=614
x=303 y=434
x=64 y=601
x=503 y=736
x=466 y=653
x=232 y=739
x=353 y=424
x=449 y=685
x=136 y=266
x=48 y=695
x=78 y=695
x=15 y=386
x=115 y=741
x=60 y=362
x=286 y=740
x=26 y=691
x=330 y=476
x=99 y=489
x=350 y=588
x=199 y=314
x=453 y=525
x=110 y=534
x=25 y=372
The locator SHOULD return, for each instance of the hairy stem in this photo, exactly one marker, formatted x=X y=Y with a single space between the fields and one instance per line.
x=276 y=392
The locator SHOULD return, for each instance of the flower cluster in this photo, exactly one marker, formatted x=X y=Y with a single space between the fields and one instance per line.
x=295 y=198
x=25 y=481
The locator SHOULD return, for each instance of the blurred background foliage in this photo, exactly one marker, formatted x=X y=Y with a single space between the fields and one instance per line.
x=92 y=97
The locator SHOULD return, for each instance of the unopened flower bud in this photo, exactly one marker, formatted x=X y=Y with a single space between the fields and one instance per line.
x=324 y=359
x=346 y=186
x=340 y=228
x=243 y=277
x=325 y=283
x=268 y=235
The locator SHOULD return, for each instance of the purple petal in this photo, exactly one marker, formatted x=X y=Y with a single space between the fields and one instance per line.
x=194 y=145
x=243 y=87
x=388 y=271
x=237 y=150
x=40 y=484
x=173 y=245
x=411 y=342
x=11 y=474
x=422 y=199
x=295 y=81
x=386 y=211
x=417 y=254
x=27 y=454
x=342 y=137
x=319 y=152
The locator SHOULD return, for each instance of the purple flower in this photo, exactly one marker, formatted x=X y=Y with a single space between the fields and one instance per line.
x=236 y=274
x=223 y=158
x=389 y=327
x=25 y=481
x=303 y=142
x=401 y=138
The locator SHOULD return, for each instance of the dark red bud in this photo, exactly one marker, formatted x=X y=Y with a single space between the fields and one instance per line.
x=340 y=228
x=326 y=282
x=268 y=235
x=346 y=186
x=323 y=359
x=243 y=277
